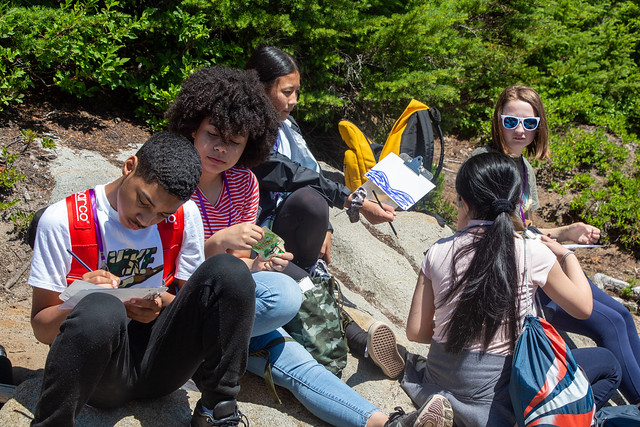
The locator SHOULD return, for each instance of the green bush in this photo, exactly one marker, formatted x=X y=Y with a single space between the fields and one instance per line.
x=436 y=202
x=363 y=61
x=580 y=149
x=21 y=219
x=614 y=205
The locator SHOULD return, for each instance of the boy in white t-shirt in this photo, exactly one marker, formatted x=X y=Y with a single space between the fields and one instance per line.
x=105 y=352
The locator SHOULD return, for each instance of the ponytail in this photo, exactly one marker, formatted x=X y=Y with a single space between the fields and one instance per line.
x=490 y=184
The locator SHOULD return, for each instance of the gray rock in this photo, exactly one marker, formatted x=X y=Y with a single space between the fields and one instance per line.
x=172 y=410
x=378 y=272
x=78 y=170
x=377 y=264
x=386 y=276
x=607 y=282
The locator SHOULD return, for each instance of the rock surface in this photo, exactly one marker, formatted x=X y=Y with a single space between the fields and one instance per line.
x=361 y=257
x=377 y=269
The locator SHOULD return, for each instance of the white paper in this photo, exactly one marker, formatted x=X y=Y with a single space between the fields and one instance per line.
x=80 y=289
x=398 y=181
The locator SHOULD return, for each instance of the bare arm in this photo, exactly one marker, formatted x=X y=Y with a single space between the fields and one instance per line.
x=420 y=323
x=578 y=232
x=325 y=250
x=570 y=288
x=277 y=263
x=45 y=315
x=167 y=298
x=373 y=212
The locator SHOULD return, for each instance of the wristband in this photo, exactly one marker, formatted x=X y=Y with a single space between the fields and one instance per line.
x=564 y=257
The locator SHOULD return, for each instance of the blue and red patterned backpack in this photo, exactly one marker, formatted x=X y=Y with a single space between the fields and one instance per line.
x=547 y=386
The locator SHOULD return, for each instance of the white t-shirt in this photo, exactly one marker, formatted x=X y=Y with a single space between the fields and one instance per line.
x=129 y=252
x=437 y=268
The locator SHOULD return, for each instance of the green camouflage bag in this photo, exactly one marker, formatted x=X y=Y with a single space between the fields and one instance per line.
x=318 y=327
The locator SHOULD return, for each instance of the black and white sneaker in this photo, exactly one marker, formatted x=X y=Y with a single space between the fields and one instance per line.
x=319 y=269
x=224 y=414
x=436 y=412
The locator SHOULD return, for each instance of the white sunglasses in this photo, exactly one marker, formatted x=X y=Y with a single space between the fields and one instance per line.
x=528 y=123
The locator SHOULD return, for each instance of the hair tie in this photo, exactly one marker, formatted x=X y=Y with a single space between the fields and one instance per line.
x=499 y=206
x=357 y=200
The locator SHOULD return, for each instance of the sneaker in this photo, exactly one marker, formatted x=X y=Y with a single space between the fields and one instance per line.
x=437 y=412
x=319 y=269
x=225 y=413
x=383 y=349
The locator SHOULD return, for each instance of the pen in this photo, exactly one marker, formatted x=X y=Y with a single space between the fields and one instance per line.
x=79 y=260
x=378 y=200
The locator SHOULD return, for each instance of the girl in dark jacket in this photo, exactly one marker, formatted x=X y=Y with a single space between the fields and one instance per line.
x=295 y=197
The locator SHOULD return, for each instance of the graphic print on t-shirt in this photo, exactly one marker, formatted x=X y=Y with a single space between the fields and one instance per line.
x=133 y=265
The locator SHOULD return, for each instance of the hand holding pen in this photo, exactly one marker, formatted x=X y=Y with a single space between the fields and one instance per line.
x=380 y=203
x=97 y=277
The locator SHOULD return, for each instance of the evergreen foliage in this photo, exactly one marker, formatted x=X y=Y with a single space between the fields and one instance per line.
x=361 y=60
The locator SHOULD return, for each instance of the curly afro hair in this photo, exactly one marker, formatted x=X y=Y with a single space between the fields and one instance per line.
x=235 y=102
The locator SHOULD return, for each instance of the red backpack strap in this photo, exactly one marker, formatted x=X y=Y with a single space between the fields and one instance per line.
x=171 y=230
x=83 y=234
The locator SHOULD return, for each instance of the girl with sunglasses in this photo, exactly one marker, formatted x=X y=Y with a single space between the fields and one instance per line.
x=519 y=125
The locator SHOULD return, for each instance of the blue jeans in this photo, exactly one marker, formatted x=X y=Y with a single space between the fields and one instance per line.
x=278 y=299
x=321 y=392
x=611 y=326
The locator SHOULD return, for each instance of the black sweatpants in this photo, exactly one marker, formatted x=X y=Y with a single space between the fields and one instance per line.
x=105 y=359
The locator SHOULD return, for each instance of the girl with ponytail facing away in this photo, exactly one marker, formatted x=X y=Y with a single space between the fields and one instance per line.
x=469 y=301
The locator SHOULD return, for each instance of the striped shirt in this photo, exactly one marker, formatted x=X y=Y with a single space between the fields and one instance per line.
x=238 y=204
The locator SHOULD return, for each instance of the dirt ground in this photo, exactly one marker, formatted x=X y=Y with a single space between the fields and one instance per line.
x=80 y=125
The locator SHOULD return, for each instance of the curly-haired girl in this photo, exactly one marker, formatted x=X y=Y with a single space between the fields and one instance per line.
x=231 y=121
